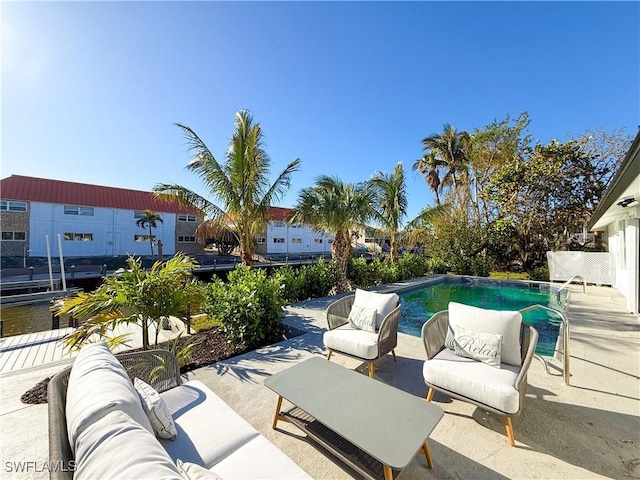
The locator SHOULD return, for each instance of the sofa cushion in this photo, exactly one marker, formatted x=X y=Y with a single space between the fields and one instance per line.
x=99 y=384
x=193 y=471
x=156 y=410
x=352 y=341
x=208 y=429
x=475 y=380
x=384 y=303
x=363 y=318
x=259 y=458
x=505 y=323
x=116 y=446
x=484 y=347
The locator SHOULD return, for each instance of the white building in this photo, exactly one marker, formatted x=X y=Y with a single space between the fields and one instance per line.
x=618 y=217
x=281 y=237
x=91 y=220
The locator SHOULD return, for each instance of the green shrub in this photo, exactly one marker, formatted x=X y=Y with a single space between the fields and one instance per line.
x=437 y=265
x=249 y=306
x=201 y=323
x=359 y=273
x=317 y=280
x=289 y=282
x=540 y=274
x=411 y=265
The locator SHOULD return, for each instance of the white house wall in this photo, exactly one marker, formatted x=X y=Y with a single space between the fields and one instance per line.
x=112 y=231
x=623 y=236
x=283 y=238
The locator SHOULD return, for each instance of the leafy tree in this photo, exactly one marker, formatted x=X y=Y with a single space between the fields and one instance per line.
x=390 y=197
x=240 y=185
x=139 y=296
x=339 y=208
x=150 y=219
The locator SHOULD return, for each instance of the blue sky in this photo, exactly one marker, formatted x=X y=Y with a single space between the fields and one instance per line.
x=91 y=90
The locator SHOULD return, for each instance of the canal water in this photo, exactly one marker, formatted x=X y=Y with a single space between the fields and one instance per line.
x=21 y=319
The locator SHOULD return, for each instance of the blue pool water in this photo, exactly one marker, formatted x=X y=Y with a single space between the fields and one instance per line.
x=418 y=305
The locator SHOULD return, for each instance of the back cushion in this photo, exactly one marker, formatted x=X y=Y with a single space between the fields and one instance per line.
x=505 y=323
x=384 y=303
x=99 y=384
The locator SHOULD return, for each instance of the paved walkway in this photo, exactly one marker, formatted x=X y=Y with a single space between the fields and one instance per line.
x=590 y=429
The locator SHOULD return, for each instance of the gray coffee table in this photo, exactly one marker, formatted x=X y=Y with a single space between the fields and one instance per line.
x=366 y=423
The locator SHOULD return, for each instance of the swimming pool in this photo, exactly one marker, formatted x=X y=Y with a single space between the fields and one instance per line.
x=419 y=304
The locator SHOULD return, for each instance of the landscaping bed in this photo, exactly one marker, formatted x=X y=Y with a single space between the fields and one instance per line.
x=211 y=346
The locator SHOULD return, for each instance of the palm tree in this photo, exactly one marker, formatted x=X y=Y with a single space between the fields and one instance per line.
x=240 y=184
x=448 y=148
x=149 y=219
x=429 y=166
x=391 y=204
x=137 y=295
x=335 y=207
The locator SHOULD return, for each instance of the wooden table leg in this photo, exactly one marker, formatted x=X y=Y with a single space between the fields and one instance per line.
x=427 y=454
x=388 y=474
x=277 y=415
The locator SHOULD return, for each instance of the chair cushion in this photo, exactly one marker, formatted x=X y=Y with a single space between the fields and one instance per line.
x=384 y=303
x=116 y=446
x=193 y=471
x=363 y=318
x=505 y=323
x=352 y=341
x=484 y=347
x=475 y=380
x=208 y=429
x=98 y=384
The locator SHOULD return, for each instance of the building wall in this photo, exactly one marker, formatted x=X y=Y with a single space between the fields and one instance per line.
x=186 y=236
x=623 y=240
x=282 y=238
x=109 y=231
x=14 y=222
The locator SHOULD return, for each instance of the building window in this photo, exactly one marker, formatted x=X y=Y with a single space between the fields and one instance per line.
x=187 y=218
x=295 y=225
x=317 y=240
x=78 y=237
x=13 y=206
x=279 y=224
x=14 y=236
x=330 y=241
x=261 y=240
x=296 y=240
x=278 y=240
x=85 y=211
x=138 y=214
x=144 y=238
x=186 y=239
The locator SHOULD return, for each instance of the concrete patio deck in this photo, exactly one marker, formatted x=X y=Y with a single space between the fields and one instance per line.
x=590 y=429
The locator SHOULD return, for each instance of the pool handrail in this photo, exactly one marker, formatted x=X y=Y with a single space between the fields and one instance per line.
x=565 y=285
x=565 y=340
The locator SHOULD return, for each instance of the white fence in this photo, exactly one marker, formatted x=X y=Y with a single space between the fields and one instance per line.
x=593 y=267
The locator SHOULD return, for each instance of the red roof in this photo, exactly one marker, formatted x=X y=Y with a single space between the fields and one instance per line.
x=31 y=189
x=279 y=213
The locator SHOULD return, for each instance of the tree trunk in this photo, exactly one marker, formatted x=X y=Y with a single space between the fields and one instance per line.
x=340 y=252
x=150 y=240
x=145 y=334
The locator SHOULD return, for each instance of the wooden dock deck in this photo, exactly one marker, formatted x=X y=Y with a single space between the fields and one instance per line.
x=41 y=348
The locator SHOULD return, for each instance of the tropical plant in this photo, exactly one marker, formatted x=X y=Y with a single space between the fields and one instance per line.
x=249 y=306
x=429 y=166
x=448 y=148
x=339 y=208
x=240 y=185
x=139 y=296
x=149 y=219
x=390 y=197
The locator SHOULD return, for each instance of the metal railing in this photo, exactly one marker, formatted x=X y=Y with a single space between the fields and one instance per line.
x=565 y=285
x=565 y=341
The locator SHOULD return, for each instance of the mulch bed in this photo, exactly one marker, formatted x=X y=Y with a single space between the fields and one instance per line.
x=211 y=346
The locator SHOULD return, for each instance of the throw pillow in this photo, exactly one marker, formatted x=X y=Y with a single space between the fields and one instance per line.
x=156 y=410
x=384 y=303
x=505 y=323
x=193 y=471
x=363 y=318
x=484 y=347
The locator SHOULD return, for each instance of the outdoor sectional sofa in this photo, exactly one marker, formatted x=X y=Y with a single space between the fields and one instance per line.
x=99 y=429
